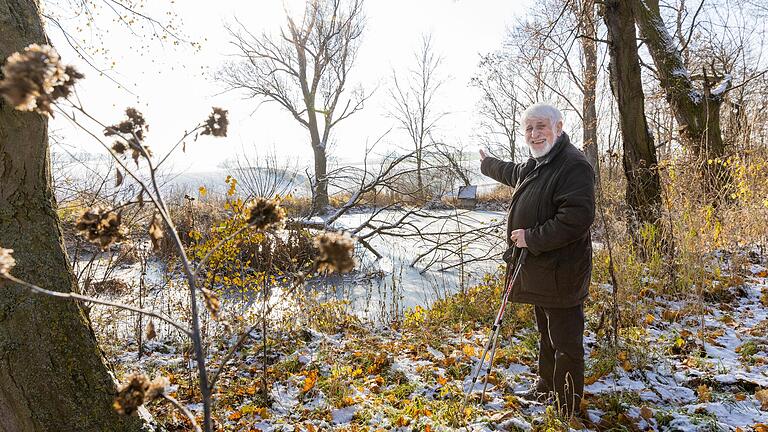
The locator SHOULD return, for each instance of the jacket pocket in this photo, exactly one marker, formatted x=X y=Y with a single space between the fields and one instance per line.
x=539 y=274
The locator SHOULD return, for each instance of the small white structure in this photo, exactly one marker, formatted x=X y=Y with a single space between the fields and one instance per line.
x=467 y=196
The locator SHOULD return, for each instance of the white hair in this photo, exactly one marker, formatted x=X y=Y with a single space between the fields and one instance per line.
x=543 y=110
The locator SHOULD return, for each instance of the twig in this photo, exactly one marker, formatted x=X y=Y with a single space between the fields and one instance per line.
x=75 y=296
x=183 y=409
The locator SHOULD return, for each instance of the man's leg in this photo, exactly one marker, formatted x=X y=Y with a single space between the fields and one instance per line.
x=546 y=352
x=566 y=336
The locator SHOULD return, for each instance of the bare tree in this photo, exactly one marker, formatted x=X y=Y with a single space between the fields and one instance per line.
x=585 y=11
x=304 y=70
x=640 y=165
x=415 y=108
x=499 y=106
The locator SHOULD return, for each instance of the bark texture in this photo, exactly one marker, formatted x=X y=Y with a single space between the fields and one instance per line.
x=639 y=159
x=52 y=375
x=697 y=112
x=589 y=47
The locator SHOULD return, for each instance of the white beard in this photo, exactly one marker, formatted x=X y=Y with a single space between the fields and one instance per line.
x=544 y=151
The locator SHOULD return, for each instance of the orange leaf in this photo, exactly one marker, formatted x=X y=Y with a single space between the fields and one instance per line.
x=309 y=381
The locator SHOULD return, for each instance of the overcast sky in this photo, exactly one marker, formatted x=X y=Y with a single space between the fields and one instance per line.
x=173 y=85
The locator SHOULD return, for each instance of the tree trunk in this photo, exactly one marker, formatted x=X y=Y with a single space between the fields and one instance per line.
x=321 y=180
x=639 y=159
x=589 y=47
x=697 y=113
x=52 y=375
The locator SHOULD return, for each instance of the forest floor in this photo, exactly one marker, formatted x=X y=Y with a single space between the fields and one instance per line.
x=697 y=362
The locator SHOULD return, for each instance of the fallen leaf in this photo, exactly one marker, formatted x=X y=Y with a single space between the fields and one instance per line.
x=309 y=381
x=150 y=333
x=646 y=413
x=704 y=392
x=762 y=397
x=156 y=232
x=469 y=350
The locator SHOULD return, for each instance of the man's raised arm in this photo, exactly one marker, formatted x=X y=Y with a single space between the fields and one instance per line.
x=502 y=172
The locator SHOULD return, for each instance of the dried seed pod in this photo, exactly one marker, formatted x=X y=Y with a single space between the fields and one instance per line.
x=136 y=391
x=264 y=213
x=130 y=395
x=216 y=124
x=33 y=79
x=336 y=252
x=101 y=226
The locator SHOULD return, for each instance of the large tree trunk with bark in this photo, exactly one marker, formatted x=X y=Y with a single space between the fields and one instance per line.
x=589 y=47
x=697 y=113
x=52 y=375
x=640 y=165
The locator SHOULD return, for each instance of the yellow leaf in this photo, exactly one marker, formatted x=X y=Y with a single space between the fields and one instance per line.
x=704 y=392
x=203 y=191
x=469 y=350
x=649 y=319
x=442 y=380
x=309 y=381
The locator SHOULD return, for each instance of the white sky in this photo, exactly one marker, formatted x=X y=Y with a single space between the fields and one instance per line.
x=174 y=88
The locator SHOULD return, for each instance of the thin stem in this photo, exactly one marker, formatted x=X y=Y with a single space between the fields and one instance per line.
x=183 y=409
x=243 y=337
x=175 y=146
x=75 y=296
x=195 y=316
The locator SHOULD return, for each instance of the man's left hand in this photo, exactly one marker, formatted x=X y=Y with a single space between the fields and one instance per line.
x=518 y=238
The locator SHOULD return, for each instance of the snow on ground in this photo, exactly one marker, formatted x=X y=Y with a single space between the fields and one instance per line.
x=700 y=372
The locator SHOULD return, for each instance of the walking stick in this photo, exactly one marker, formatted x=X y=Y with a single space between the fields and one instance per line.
x=495 y=330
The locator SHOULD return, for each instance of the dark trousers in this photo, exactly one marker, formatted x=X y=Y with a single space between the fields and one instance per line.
x=561 y=354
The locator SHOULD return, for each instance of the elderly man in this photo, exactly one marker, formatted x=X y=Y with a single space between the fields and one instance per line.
x=550 y=213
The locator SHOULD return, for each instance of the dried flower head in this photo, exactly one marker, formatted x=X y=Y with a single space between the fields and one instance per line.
x=336 y=252
x=212 y=302
x=119 y=147
x=157 y=387
x=264 y=213
x=6 y=261
x=137 y=390
x=130 y=395
x=216 y=123
x=33 y=79
x=133 y=125
x=101 y=226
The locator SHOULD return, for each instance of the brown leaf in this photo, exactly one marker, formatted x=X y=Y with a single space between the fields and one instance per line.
x=646 y=413
x=150 y=333
x=762 y=397
x=118 y=177
x=140 y=199
x=156 y=232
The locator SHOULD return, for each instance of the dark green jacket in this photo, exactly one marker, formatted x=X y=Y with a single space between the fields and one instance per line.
x=555 y=203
